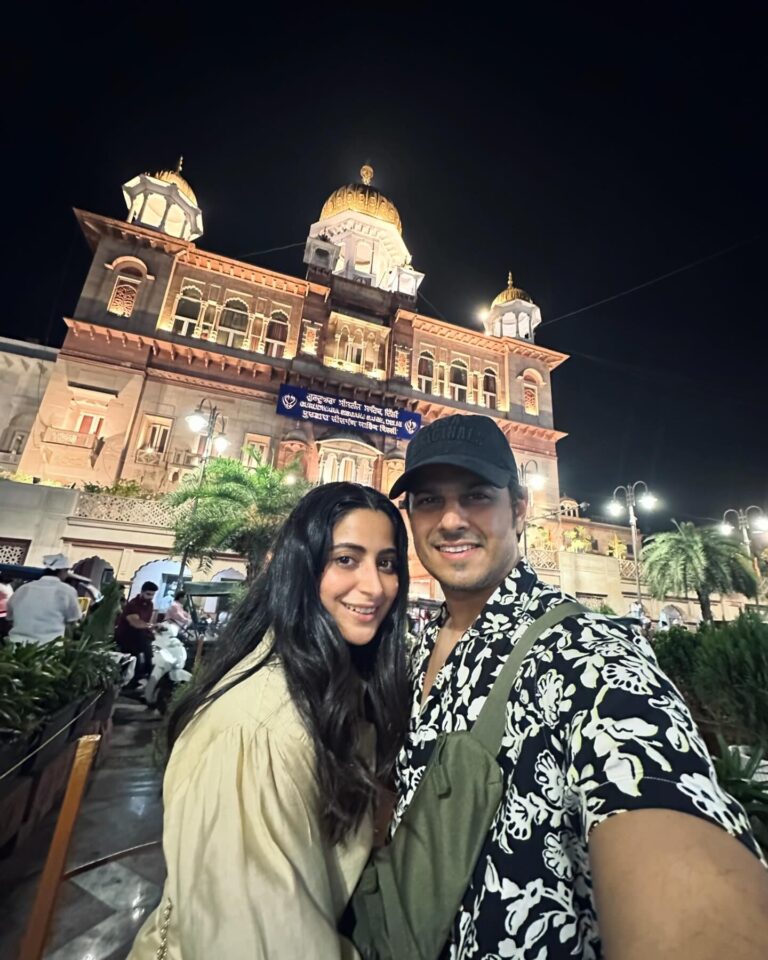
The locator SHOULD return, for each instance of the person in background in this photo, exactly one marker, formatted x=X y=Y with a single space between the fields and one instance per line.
x=41 y=609
x=133 y=633
x=176 y=612
x=279 y=751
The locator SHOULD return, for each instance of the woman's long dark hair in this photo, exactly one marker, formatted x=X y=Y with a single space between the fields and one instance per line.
x=333 y=684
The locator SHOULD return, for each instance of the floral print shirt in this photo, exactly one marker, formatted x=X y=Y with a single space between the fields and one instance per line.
x=594 y=728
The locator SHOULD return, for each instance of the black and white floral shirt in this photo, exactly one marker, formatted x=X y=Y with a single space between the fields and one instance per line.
x=593 y=729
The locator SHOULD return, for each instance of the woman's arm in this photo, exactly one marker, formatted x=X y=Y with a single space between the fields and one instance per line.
x=251 y=869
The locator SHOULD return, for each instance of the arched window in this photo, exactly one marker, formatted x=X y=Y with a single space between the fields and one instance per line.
x=530 y=394
x=489 y=388
x=123 y=298
x=355 y=349
x=459 y=381
x=276 y=336
x=187 y=311
x=426 y=372
x=128 y=279
x=233 y=323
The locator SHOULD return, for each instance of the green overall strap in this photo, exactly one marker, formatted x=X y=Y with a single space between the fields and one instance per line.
x=489 y=727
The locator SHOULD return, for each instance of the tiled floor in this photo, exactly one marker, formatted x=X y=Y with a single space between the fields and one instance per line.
x=98 y=912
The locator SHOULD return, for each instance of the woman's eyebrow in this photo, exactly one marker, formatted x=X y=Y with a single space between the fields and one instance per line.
x=348 y=546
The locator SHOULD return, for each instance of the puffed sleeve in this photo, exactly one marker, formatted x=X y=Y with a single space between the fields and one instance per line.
x=252 y=874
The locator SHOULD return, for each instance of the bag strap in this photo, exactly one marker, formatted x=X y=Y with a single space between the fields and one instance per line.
x=489 y=727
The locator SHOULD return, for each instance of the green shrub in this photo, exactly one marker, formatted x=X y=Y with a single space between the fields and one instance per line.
x=676 y=650
x=736 y=774
x=122 y=488
x=731 y=677
x=37 y=680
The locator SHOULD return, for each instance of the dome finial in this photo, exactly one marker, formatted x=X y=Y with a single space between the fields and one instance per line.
x=366 y=174
x=180 y=164
x=511 y=293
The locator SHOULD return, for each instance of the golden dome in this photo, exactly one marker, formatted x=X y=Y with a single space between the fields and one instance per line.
x=362 y=198
x=511 y=293
x=174 y=176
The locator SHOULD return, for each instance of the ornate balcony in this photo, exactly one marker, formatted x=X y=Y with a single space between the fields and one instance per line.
x=543 y=559
x=100 y=506
x=69 y=438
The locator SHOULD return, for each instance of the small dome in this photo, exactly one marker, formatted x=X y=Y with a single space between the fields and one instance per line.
x=174 y=176
x=362 y=198
x=511 y=293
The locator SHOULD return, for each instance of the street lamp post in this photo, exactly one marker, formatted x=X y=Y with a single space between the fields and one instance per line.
x=647 y=499
x=532 y=479
x=743 y=517
x=209 y=420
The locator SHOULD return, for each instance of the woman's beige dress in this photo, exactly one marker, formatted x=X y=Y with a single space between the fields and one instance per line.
x=249 y=874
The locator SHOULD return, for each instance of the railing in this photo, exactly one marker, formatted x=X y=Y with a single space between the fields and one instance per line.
x=543 y=559
x=149 y=457
x=184 y=458
x=9 y=457
x=70 y=438
x=100 y=506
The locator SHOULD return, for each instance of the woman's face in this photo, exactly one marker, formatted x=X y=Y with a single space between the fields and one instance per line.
x=359 y=583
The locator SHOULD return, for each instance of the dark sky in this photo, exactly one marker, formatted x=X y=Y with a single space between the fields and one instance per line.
x=588 y=148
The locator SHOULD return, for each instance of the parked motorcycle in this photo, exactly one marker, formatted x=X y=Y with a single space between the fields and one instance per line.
x=169 y=660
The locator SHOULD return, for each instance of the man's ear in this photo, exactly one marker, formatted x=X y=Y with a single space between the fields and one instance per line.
x=519 y=512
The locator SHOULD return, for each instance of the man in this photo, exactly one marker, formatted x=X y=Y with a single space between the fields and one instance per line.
x=134 y=631
x=613 y=838
x=40 y=610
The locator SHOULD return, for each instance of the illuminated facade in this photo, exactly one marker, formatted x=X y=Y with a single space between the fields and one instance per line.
x=162 y=323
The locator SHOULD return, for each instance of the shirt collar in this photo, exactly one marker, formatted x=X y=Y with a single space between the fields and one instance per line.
x=517 y=589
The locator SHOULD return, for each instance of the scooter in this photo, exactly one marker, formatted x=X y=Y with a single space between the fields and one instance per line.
x=169 y=658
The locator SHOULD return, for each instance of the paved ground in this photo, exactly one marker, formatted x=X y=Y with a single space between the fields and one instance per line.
x=98 y=912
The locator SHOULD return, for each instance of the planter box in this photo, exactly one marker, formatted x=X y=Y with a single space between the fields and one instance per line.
x=47 y=788
x=58 y=721
x=106 y=704
x=11 y=751
x=83 y=723
x=13 y=806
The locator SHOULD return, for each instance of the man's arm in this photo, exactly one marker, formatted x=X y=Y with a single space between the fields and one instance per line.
x=672 y=886
x=136 y=622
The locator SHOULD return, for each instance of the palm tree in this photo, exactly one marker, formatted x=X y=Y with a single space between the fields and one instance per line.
x=698 y=559
x=234 y=507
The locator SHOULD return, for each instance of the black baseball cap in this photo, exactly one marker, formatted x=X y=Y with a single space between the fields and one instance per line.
x=473 y=442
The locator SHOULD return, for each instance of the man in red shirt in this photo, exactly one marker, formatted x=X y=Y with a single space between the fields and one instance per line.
x=133 y=633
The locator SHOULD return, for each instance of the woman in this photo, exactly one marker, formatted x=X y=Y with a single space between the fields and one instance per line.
x=278 y=751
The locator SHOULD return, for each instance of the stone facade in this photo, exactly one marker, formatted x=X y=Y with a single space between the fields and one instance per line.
x=25 y=369
x=162 y=324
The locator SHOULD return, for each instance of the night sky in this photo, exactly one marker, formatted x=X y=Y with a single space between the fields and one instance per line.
x=589 y=150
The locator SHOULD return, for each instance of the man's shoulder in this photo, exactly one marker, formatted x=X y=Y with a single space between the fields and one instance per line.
x=594 y=633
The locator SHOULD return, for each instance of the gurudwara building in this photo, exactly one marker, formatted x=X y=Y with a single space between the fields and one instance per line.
x=333 y=372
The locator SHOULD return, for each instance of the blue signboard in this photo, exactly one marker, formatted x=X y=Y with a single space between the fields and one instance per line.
x=303 y=404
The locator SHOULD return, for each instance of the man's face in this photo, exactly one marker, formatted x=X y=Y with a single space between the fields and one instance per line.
x=148 y=594
x=465 y=530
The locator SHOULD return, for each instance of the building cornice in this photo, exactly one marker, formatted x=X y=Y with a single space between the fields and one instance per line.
x=503 y=345
x=514 y=430
x=186 y=252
